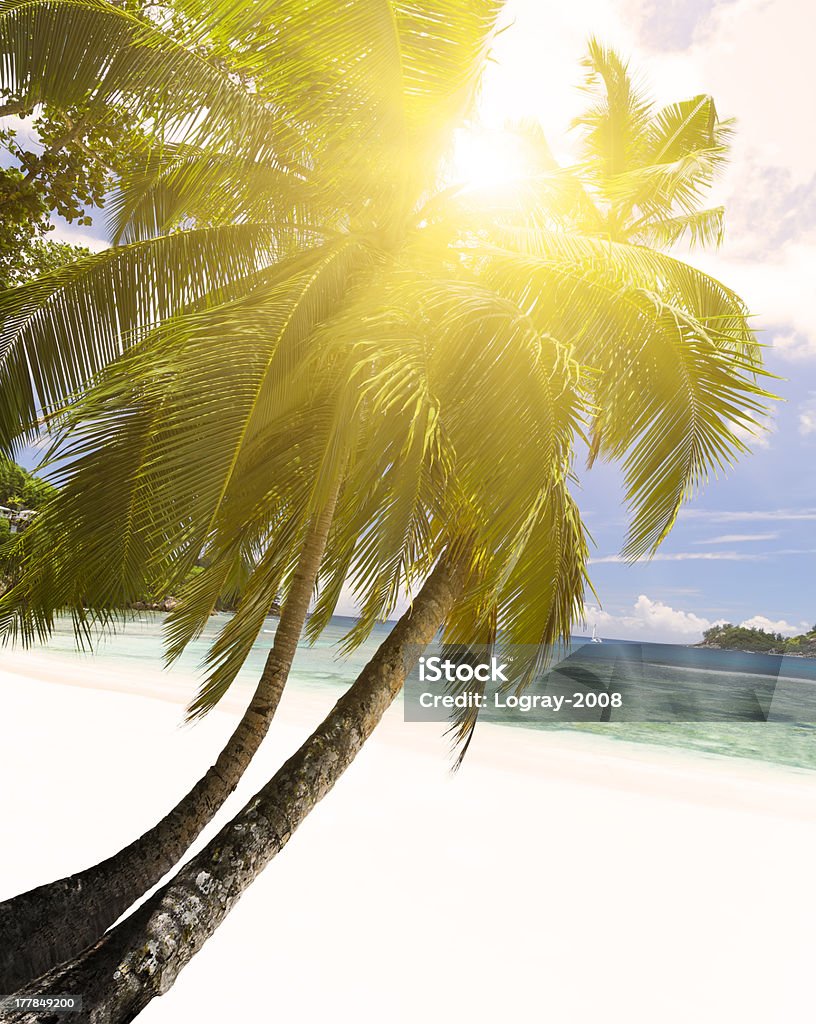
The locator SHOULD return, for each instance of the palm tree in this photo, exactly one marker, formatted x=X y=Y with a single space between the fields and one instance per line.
x=323 y=323
x=39 y=927
x=230 y=232
x=141 y=957
x=643 y=170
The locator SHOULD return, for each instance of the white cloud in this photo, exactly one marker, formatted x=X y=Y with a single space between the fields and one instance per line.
x=777 y=626
x=807 y=417
x=658 y=622
x=744 y=46
x=648 y=620
x=795 y=347
x=687 y=556
x=769 y=256
x=758 y=436
x=24 y=127
x=776 y=282
x=753 y=515
x=738 y=538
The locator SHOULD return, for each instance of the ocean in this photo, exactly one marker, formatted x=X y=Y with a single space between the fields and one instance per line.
x=781 y=691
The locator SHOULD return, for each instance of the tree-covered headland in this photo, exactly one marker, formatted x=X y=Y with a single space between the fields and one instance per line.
x=751 y=638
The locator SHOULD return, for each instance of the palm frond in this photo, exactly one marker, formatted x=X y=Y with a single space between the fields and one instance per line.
x=654 y=189
x=95 y=53
x=669 y=387
x=533 y=613
x=700 y=229
x=234 y=642
x=58 y=331
x=711 y=302
x=612 y=126
x=179 y=185
x=169 y=429
x=448 y=376
x=689 y=126
x=275 y=478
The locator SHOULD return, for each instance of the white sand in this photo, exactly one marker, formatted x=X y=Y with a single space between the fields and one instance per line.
x=556 y=878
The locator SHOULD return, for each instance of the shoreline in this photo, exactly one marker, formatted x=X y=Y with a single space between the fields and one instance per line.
x=648 y=768
x=554 y=839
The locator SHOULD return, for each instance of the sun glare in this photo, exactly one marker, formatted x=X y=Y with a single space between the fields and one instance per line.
x=488 y=160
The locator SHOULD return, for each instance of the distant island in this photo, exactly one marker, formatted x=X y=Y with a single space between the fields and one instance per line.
x=729 y=637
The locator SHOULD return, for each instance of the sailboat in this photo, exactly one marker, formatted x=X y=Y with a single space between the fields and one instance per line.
x=595 y=638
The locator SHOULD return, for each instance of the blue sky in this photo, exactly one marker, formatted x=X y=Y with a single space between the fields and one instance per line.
x=744 y=550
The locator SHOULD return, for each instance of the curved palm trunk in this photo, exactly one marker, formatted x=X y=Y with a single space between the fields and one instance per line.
x=52 y=923
x=141 y=958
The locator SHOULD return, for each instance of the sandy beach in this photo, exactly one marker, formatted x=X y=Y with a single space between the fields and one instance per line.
x=556 y=877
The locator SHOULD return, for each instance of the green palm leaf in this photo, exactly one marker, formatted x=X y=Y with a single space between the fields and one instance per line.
x=58 y=331
x=300 y=308
x=670 y=388
x=95 y=53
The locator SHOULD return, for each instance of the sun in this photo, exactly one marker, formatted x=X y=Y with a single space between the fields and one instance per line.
x=488 y=160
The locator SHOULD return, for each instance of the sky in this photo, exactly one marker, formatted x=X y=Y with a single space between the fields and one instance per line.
x=745 y=549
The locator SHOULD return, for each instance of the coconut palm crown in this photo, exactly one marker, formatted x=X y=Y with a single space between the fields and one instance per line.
x=296 y=295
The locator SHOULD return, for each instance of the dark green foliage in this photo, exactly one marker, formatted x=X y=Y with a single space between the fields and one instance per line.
x=750 y=638
x=34 y=257
x=28 y=194
x=5 y=546
x=20 y=489
x=66 y=166
x=23 y=211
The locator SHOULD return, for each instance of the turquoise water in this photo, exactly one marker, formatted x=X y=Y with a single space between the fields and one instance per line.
x=139 y=643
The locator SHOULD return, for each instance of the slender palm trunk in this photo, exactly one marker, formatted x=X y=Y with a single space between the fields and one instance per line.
x=52 y=923
x=141 y=957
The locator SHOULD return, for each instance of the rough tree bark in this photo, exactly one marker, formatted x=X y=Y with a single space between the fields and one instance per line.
x=52 y=923
x=141 y=957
